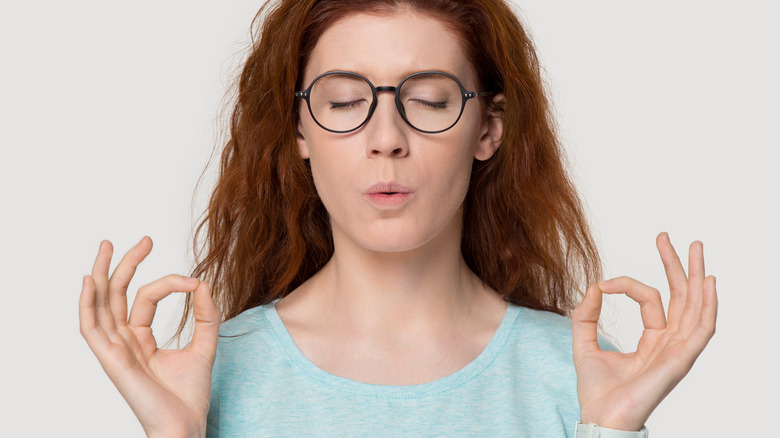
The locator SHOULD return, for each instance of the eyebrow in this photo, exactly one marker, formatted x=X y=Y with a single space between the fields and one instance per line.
x=404 y=74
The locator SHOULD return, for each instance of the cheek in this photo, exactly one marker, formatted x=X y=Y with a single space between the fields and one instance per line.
x=335 y=170
x=329 y=182
x=451 y=180
x=455 y=158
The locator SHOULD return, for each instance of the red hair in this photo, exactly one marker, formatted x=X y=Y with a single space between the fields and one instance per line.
x=266 y=230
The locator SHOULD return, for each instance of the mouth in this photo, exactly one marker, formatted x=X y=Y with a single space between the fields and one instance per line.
x=388 y=195
x=391 y=188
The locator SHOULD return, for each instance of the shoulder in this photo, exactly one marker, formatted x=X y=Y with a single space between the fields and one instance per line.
x=546 y=335
x=542 y=321
x=534 y=371
x=247 y=321
x=249 y=360
x=541 y=337
x=245 y=339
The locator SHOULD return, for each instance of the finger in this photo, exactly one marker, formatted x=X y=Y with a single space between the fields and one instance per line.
x=120 y=278
x=709 y=315
x=675 y=275
x=650 y=305
x=100 y=277
x=145 y=303
x=207 y=320
x=585 y=321
x=692 y=311
x=88 y=323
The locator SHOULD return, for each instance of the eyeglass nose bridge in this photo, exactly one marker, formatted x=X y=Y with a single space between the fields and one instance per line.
x=397 y=99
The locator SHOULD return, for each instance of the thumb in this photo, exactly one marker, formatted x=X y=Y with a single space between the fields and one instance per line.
x=585 y=320
x=207 y=320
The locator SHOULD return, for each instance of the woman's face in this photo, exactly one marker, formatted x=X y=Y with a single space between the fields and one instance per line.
x=386 y=186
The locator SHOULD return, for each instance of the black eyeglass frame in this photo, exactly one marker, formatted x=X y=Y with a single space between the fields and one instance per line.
x=464 y=93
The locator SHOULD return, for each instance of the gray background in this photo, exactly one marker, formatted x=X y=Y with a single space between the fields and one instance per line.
x=108 y=110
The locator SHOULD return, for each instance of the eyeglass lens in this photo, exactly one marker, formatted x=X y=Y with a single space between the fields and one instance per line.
x=342 y=102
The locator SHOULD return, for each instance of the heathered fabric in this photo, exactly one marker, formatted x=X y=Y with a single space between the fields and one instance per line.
x=522 y=385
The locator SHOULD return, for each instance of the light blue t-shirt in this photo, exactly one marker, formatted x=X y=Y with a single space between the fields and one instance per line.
x=522 y=385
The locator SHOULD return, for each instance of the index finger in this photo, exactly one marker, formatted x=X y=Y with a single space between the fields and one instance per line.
x=100 y=277
x=675 y=275
x=648 y=298
x=145 y=304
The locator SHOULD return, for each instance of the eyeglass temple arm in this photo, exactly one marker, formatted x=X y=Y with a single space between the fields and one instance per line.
x=471 y=94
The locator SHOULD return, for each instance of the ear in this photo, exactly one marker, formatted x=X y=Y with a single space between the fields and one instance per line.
x=303 y=147
x=492 y=131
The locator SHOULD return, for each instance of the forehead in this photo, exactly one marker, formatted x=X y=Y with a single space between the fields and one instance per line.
x=387 y=47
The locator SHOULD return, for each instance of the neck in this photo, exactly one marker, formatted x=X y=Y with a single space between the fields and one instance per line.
x=429 y=287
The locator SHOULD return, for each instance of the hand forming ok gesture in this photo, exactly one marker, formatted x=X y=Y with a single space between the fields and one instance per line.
x=621 y=390
x=168 y=390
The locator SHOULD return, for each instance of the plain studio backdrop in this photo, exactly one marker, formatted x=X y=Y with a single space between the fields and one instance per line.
x=668 y=111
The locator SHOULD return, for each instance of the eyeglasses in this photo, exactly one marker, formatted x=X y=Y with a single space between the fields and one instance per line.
x=428 y=101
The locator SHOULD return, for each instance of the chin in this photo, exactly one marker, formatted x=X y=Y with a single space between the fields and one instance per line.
x=390 y=244
x=398 y=236
x=389 y=240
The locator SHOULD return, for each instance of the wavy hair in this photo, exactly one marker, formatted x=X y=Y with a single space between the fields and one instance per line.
x=265 y=230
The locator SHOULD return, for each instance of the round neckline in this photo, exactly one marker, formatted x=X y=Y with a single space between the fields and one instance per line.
x=464 y=375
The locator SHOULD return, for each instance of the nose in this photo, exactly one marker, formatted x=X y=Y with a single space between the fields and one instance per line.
x=386 y=130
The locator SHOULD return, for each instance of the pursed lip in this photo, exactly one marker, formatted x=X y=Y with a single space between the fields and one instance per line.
x=386 y=196
x=388 y=189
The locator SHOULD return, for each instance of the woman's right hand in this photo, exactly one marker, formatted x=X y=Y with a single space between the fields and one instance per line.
x=168 y=390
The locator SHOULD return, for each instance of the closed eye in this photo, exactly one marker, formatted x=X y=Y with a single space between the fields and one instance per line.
x=346 y=105
x=435 y=105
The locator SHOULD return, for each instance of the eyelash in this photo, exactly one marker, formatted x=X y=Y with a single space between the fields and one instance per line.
x=340 y=105
x=348 y=105
x=436 y=105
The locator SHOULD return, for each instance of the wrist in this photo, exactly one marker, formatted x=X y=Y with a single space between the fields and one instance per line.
x=178 y=431
x=592 y=430
x=616 y=422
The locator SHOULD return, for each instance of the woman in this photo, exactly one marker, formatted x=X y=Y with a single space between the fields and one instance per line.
x=394 y=245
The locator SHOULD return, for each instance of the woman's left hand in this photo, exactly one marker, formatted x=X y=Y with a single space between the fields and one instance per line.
x=621 y=390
